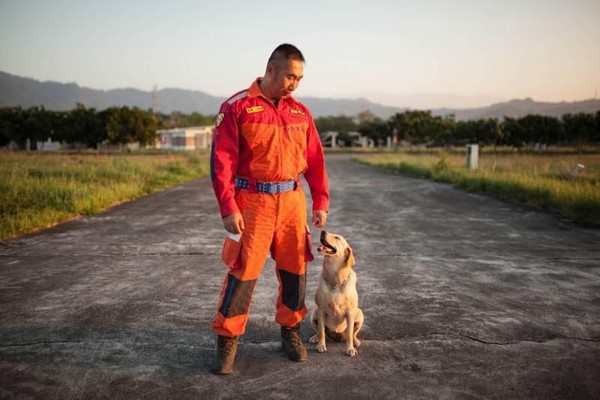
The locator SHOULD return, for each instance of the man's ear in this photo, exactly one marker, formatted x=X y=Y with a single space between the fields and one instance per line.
x=270 y=70
x=350 y=261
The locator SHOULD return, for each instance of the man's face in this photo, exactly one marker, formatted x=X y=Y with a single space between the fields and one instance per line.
x=287 y=75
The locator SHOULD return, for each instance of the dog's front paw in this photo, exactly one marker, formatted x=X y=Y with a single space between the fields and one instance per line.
x=356 y=342
x=321 y=348
x=314 y=339
x=351 y=352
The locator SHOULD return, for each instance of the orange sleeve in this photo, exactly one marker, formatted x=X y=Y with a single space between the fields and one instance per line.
x=316 y=173
x=224 y=159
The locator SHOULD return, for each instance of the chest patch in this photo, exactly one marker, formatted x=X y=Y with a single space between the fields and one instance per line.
x=255 y=109
x=297 y=112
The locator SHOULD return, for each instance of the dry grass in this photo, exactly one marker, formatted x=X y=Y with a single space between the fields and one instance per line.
x=545 y=181
x=40 y=190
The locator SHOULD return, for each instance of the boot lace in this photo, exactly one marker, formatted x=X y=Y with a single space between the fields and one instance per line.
x=226 y=345
x=293 y=336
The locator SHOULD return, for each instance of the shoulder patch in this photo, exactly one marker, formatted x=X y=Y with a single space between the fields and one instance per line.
x=255 y=109
x=219 y=119
x=297 y=111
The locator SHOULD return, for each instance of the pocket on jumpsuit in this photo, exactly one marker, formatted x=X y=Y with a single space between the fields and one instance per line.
x=308 y=255
x=232 y=251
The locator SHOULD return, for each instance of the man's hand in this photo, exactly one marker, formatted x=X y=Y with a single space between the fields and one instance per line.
x=319 y=218
x=234 y=223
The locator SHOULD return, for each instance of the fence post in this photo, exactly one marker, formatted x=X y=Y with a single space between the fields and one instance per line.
x=472 y=156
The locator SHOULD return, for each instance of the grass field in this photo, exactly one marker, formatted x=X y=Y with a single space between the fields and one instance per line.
x=40 y=190
x=544 y=181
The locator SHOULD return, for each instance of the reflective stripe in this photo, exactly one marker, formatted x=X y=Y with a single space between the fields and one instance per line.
x=238 y=96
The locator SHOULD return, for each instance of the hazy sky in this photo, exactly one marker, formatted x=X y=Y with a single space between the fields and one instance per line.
x=476 y=50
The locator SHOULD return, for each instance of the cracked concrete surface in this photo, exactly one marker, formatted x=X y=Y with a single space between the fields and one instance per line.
x=464 y=297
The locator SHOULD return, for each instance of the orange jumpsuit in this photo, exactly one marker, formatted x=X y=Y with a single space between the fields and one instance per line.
x=260 y=142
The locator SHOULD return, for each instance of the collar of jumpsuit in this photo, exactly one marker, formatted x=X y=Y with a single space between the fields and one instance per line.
x=256 y=90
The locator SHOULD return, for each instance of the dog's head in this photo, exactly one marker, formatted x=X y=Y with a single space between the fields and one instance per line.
x=334 y=246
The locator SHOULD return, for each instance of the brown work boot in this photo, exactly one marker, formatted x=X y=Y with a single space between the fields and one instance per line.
x=226 y=349
x=292 y=343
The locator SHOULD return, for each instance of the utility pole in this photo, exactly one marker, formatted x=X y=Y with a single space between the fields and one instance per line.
x=155 y=99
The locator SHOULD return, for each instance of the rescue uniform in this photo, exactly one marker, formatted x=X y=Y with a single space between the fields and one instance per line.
x=259 y=150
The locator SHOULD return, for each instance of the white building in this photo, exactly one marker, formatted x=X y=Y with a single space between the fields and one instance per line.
x=46 y=146
x=197 y=137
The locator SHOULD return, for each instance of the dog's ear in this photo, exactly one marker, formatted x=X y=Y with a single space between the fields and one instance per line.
x=350 y=261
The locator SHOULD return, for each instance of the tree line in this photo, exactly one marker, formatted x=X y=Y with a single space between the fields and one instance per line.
x=88 y=127
x=121 y=125
x=422 y=128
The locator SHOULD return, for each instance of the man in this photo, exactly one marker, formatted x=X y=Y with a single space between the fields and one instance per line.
x=264 y=139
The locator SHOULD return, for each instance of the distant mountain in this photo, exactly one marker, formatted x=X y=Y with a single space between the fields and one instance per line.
x=351 y=107
x=520 y=108
x=27 y=92
x=432 y=100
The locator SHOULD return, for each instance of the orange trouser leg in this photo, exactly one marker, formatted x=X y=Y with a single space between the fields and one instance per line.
x=259 y=212
x=276 y=223
x=291 y=251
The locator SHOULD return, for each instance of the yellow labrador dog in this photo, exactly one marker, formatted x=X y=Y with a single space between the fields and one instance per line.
x=337 y=314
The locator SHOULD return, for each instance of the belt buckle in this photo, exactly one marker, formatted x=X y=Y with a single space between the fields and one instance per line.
x=276 y=187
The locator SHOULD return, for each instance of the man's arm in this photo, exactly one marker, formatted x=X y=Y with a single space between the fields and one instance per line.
x=316 y=176
x=223 y=164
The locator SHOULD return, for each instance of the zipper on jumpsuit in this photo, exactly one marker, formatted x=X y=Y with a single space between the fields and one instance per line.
x=278 y=133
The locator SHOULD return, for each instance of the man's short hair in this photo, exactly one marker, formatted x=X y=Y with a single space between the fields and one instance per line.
x=286 y=52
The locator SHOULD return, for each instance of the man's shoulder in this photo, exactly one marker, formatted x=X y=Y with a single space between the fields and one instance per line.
x=242 y=94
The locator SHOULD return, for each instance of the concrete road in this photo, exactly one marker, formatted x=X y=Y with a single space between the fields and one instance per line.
x=464 y=297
